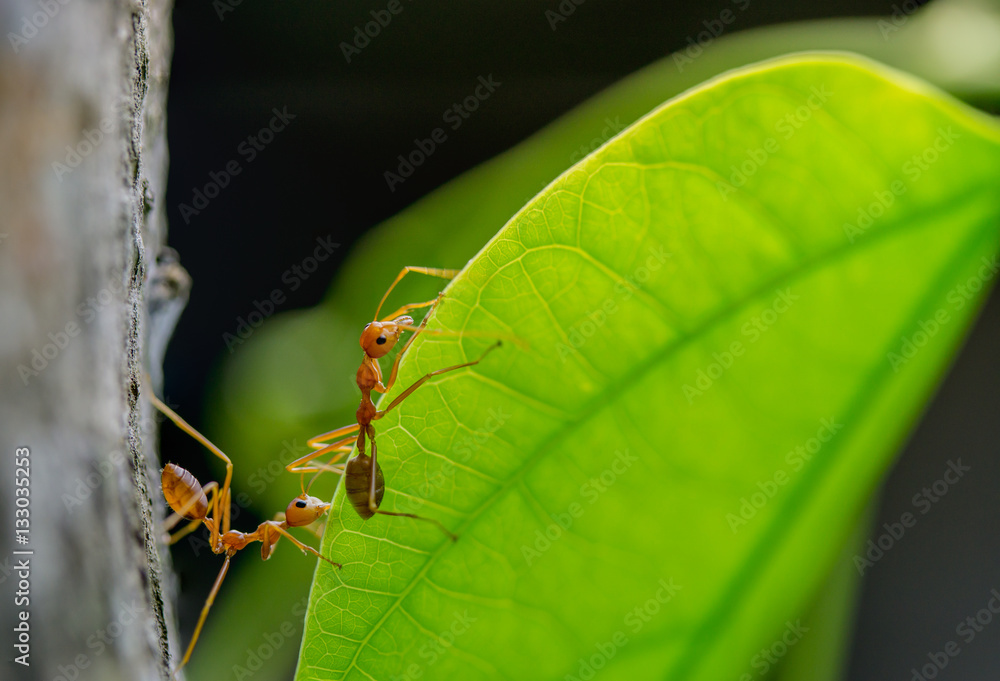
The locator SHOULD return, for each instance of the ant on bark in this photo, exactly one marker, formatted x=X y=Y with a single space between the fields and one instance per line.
x=210 y=505
x=364 y=482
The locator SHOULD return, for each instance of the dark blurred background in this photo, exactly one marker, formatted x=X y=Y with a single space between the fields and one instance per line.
x=234 y=64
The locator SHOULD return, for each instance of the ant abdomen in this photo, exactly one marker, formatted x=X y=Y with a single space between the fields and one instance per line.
x=184 y=493
x=358 y=484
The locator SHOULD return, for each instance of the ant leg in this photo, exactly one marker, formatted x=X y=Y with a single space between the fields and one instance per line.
x=337 y=469
x=224 y=498
x=187 y=428
x=275 y=527
x=406 y=346
x=340 y=448
x=172 y=521
x=320 y=441
x=204 y=613
x=342 y=445
x=211 y=489
x=426 y=377
x=172 y=539
x=322 y=444
x=451 y=535
x=375 y=509
x=372 y=504
x=417 y=330
x=430 y=271
x=315 y=528
x=412 y=306
x=518 y=341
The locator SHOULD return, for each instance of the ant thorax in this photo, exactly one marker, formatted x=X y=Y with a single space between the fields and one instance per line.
x=369 y=374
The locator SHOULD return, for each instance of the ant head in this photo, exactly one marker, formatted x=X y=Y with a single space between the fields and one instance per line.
x=378 y=338
x=304 y=510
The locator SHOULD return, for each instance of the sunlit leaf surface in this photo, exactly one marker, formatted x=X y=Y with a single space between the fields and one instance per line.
x=735 y=311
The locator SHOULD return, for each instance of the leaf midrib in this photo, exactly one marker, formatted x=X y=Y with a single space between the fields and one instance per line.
x=891 y=228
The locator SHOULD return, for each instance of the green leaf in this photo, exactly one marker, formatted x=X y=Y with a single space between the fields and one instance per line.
x=736 y=310
x=293 y=377
x=830 y=618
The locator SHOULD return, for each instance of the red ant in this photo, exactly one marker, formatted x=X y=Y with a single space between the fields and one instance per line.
x=209 y=505
x=365 y=483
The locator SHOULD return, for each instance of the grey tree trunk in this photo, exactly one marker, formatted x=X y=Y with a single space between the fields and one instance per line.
x=85 y=310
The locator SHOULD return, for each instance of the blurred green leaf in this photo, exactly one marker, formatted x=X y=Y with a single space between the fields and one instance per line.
x=736 y=310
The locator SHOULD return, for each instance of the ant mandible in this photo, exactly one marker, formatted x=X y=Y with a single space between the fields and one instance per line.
x=209 y=505
x=364 y=482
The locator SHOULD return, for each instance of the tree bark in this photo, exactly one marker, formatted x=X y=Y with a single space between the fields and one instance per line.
x=86 y=309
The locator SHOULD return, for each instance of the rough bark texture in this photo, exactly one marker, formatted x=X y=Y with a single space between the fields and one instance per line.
x=85 y=310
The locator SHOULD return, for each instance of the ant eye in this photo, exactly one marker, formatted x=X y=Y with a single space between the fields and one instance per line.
x=380 y=340
x=300 y=504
